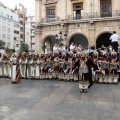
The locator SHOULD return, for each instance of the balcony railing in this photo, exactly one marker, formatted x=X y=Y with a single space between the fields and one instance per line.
x=83 y=16
x=49 y=20
x=95 y=15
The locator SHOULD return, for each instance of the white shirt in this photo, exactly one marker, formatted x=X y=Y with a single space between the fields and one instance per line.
x=72 y=47
x=55 y=48
x=114 y=38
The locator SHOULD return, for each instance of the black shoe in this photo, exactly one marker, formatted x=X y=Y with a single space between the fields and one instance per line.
x=13 y=82
x=90 y=86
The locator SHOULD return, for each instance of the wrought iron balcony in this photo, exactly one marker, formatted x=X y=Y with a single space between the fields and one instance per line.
x=49 y=20
x=94 y=15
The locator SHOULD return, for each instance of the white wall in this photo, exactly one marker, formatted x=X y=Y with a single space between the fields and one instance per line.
x=29 y=32
x=9 y=21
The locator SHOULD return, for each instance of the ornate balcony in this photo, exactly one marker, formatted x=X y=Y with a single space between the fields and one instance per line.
x=83 y=16
x=49 y=20
x=95 y=15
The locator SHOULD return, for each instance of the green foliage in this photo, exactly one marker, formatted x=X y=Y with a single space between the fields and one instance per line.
x=7 y=50
x=61 y=44
x=24 y=48
x=2 y=44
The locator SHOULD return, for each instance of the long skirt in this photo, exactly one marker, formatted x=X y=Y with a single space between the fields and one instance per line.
x=16 y=78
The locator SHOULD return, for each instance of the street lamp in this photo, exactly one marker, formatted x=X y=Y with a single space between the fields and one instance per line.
x=60 y=36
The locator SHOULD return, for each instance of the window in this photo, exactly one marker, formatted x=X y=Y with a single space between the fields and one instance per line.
x=33 y=47
x=8 y=30
x=14 y=38
x=21 y=22
x=105 y=8
x=32 y=32
x=16 y=32
x=8 y=44
x=21 y=35
x=33 y=40
x=50 y=12
x=27 y=33
x=9 y=22
x=21 y=15
x=21 y=29
x=77 y=10
x=3 y=36
x=16 y=25
x=7 y=16
x=4 y=20
x=17 y=45
x=27 y=40
x=3 y=28
x=8 y=38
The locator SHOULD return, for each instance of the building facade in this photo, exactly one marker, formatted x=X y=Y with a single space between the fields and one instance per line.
x=86 y=22
x=9 y=27
x=29 y=31
x=22 y=11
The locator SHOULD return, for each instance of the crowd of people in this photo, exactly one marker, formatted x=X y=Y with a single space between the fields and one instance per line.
x=88 y=65
x=69 y=64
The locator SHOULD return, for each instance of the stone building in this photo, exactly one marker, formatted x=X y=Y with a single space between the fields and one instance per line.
x=86 y=22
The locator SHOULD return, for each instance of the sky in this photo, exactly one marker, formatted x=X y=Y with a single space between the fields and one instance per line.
x=29 y=4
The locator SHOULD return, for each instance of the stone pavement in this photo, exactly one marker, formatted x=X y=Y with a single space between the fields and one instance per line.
x=56 y=100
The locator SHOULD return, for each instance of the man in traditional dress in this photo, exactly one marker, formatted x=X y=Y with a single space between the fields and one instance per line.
x=29 y=65
x=23 y=65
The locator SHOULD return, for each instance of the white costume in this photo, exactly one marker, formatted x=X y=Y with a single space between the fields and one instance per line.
x=0 y=66
x=23 y=63
x=14 y=60
x=72 y=47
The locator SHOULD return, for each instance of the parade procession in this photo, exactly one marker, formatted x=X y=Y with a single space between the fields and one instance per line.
x=99 y=65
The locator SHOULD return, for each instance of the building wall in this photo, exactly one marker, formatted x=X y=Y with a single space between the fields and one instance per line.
x=29 y=31
x=9 y=22
x=22 y=11
x=91 y=28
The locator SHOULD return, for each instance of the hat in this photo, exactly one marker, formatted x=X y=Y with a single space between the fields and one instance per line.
x=70 y=52
x=78 y=53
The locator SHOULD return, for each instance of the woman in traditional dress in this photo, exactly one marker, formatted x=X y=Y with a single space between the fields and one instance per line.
x=16 y=78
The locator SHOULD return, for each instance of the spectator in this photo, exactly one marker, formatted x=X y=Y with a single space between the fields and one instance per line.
x=72 y=46
x=114 y=39
x=79 y=48
x=55 y=48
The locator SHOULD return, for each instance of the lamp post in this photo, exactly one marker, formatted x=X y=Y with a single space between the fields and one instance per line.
x=60 y=37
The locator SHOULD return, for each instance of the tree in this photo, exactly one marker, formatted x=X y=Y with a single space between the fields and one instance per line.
x=24 y=48
x=7 y=50
x=2 y=44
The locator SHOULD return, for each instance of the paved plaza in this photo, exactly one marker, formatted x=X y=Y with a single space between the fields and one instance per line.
x=57 y=100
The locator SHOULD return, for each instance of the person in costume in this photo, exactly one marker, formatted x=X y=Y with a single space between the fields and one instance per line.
x=29 y=65
x=23 y=65
x=0 y=65
x=16 y=78
x=35 y=67
x=113 y=75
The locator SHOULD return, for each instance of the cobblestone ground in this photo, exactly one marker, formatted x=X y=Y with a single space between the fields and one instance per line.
x=56 y=100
